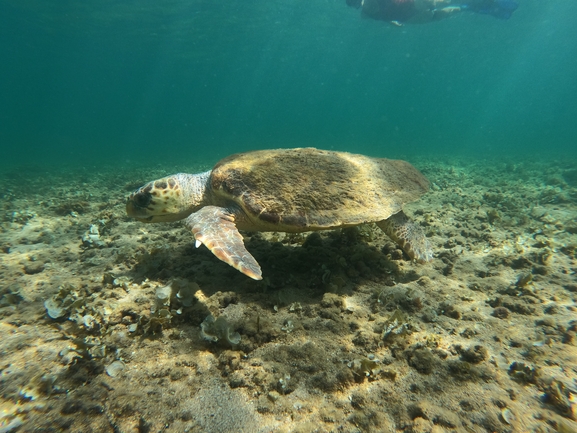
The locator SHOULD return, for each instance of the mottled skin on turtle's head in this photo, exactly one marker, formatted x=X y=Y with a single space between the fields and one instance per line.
x=171 y=198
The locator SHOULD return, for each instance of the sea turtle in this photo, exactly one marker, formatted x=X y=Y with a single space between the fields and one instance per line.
x=287 y=190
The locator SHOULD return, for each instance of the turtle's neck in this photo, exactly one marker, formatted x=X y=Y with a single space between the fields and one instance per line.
x=194 y=188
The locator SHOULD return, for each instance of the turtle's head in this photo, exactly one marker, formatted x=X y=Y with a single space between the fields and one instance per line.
x=171 y=198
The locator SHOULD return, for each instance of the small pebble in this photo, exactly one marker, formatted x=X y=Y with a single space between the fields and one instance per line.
x=501 y=312
x=273 y=396
x=33 y=268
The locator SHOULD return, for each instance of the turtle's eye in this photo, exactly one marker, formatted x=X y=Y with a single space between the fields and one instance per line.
x=142 y=199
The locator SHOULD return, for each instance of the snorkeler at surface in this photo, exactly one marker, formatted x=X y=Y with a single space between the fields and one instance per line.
x=400 y=12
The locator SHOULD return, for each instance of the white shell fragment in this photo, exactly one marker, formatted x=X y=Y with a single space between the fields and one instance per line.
x=507 y=415
x=163 y=293
x=53 y=309
x=89 y=321
x=7 y=426
x=213 y=329
x=91 y=238
x=115 y=368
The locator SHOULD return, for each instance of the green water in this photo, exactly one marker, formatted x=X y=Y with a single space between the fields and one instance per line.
x=87 y=83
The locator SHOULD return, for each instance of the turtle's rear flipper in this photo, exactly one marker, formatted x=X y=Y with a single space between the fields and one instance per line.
x=408 y=235
x=214 y=227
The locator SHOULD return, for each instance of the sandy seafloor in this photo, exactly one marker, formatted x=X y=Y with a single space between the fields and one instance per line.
x=344 y=334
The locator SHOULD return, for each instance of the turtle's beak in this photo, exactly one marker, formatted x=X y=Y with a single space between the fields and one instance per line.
x=138 y=202
x=137 y=212
x=141 y=206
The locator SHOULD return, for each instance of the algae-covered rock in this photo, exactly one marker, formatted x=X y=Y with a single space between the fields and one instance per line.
x=10 y=296
x=179 y=293
x=397 y=324
x=562 y=397
x=159 y=318
x=406 y=297
x=185 y=291
x=169 y=301
x=523 y=373
x=67 y=300
x=474 y=354
x=364 y=367
x=219 y=329
x=422 y=360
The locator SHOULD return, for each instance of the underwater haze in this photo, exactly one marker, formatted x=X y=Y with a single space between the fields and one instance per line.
x=146 y=81
x=109 y=324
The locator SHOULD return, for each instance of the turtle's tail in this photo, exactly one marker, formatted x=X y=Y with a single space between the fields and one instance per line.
x=410 y=237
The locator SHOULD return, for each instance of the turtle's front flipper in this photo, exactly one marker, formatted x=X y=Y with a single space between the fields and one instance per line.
x=214 y=227
x=409 y=236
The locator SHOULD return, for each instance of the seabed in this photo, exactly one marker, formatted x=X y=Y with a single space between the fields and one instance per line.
x=104 y=319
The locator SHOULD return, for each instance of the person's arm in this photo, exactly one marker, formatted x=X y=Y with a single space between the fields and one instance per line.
x=445 y=12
